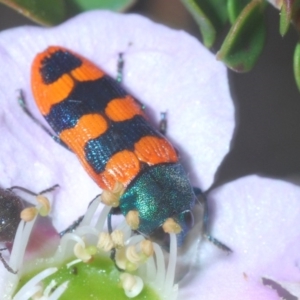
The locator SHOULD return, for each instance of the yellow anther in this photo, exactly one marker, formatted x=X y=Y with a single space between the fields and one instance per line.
x=105 y=242
x=128 y=281
x=45 y=209
x=117 y=237
x=118 y=188
x=132 y=219
x=132 y=285
x=28 y=214
x=170 y=226
x=81 y=253
x=147 y=248
x=132 y=255
x=128 y=259
x=112 y=198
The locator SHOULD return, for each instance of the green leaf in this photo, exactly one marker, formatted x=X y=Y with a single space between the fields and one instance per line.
x=45 y=12
x=234 y=8
x=115 y=5
x=285 y=16
x=210 y=15
x=289 y=12
x=245 y=40
x=297 y=65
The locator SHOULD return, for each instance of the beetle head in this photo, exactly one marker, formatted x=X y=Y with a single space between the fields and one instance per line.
x=161 y=194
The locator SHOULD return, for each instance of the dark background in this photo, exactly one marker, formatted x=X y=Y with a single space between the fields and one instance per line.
x=266 y=139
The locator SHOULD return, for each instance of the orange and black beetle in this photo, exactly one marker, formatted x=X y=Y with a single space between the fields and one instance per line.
x=107 y=129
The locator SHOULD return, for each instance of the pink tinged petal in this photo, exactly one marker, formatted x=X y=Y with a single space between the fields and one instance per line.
x=259 y=219
x=44 y=239
x=166 y=69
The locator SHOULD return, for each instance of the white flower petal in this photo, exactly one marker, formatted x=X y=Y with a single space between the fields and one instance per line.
x=166 y=69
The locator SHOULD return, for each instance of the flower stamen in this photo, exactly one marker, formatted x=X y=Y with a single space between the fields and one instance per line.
x=117 y=237
x=133 y=220
x=142 y=260
x=112 y=198
x=45 y=206
x=170 y=226
x=82 y=253
x=105 y=242
x=28 y=214
x=131 y=284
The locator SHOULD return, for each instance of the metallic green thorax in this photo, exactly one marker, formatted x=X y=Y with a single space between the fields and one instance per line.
x=160 y=192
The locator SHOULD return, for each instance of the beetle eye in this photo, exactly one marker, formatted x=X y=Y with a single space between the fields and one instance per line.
x=188 y=218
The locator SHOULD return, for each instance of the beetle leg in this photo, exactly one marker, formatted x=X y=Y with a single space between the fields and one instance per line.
x=109 y=227
x=23 y=105
x=163 y=123
x=113 y=211
x=120 y=75
x=6 y=265
x=120 y=68
x=203 y=200
x=72 y=227
x=76 y=223
x=16 y=187
x=50 y=189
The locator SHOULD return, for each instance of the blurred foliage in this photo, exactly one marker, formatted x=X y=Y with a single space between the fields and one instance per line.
x=297 y=64
x=234 y=8
x=285 y=17
x=210 y=15
x=115 y=5
x=46 y=12
x=52 y=12
x=245 y=40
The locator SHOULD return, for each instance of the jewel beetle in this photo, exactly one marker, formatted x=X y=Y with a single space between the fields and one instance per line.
x=93 y=116
x=11 y=206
